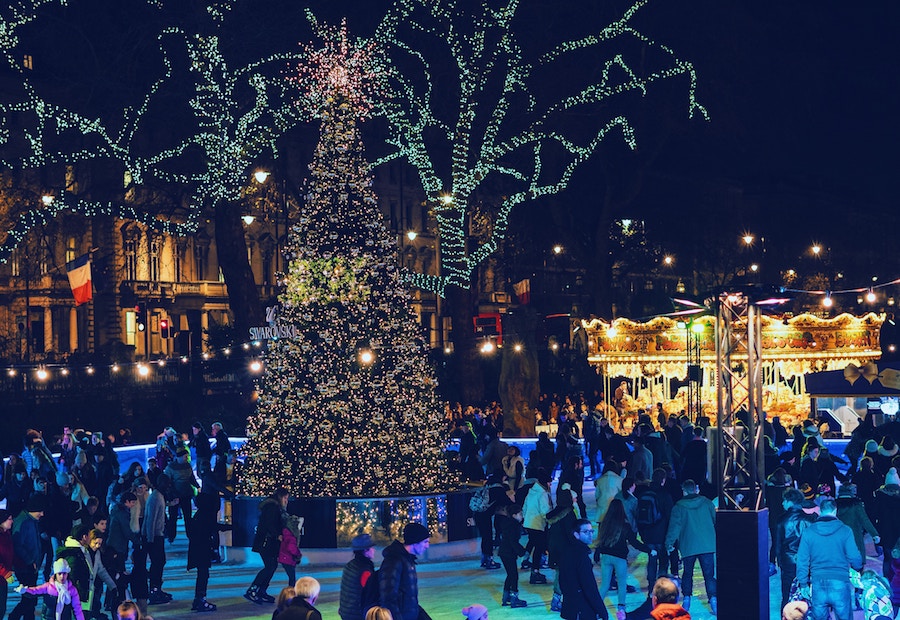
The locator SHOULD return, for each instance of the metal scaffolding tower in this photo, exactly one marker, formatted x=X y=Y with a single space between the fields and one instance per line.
x=739 y=416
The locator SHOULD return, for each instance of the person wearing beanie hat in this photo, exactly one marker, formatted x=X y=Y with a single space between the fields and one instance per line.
x=354 y=576
x=887 y=450
x=60 y=595
x=398 y=581
x=475 y=612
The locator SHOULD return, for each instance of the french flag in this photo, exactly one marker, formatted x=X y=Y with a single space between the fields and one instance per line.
x=79 y=272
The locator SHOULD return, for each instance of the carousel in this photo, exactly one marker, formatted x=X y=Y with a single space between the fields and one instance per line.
x=643 y=364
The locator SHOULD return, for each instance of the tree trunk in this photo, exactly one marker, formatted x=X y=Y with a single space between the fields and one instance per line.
x=231 y=249
x=519 y=374
x=462 y=306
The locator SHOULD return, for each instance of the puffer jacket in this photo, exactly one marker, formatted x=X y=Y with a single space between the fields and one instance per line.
x=80 y=575
x=353 y=579
x=850 y=511
x=183 y=482
x=826 y=551
x=398 y=582
x=268 y=529
x=537 y=505
x=787 y=535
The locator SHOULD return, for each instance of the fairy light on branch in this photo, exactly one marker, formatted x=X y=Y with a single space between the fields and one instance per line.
x=484 y=138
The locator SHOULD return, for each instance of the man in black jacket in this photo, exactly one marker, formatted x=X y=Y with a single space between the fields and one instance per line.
x=581 y=598
x=399 y=584
x=787 y=538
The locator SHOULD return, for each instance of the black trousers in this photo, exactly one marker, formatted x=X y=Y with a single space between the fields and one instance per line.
x=156 y=551
x=537 y=539
x=264 y=576
x=484 y=521
x=202 y=582
x=25 y=608
x=511 y=584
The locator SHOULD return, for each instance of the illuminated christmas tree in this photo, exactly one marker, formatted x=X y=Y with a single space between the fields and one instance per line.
x=347 y=407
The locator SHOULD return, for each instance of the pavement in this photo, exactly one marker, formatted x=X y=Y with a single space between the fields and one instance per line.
x=446 y=584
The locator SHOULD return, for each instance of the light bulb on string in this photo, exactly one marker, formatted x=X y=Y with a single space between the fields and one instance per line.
x=827 y=302
x=870 y=296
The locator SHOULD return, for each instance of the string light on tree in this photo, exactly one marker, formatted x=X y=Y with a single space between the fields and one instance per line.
x=484 y=139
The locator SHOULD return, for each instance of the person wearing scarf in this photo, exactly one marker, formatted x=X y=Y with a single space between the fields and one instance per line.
x=60 y=595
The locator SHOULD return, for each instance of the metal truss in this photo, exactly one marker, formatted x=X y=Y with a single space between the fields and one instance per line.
x=739 y=417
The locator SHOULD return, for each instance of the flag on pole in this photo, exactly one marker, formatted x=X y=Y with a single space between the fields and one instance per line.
x=79 y=272
x=523 y=291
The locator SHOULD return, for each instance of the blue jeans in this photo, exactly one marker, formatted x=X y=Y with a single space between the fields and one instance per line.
x=830 y=594
x=707 y=567
x=608 y=565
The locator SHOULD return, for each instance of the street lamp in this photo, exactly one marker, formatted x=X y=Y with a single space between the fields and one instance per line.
x=816 y=249
x=748 y=239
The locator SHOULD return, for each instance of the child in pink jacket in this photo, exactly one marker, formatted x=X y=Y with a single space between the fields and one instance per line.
x=60 y=596
x=289 y=554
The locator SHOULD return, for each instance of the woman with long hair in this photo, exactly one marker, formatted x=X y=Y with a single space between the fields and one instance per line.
x=613 y=538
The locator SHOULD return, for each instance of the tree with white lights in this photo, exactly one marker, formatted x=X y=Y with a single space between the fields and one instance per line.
x=347 y=407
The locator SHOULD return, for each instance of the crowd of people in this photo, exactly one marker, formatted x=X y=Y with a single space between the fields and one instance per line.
x=83 y=538
x=86 y=538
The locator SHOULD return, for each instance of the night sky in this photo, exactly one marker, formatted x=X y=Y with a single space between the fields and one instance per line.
x=802 y=98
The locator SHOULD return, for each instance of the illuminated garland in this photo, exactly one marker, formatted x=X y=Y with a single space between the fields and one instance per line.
x=483 y=139
x=231 y=137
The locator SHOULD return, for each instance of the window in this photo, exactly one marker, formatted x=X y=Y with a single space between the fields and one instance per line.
x=154 y=244
x=14 y=266
x=129 y=248
x=28 y=62
x=70 y=249
x=200 y=260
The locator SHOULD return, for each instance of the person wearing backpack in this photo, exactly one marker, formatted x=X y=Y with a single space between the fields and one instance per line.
x=356 y=574
x=483 y=505
x=654 y=507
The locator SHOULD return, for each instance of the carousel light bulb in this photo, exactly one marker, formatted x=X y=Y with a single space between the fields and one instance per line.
x=611 y=332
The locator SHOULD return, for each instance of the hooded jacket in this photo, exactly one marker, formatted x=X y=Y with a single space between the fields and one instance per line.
x=80 y=575
x=693 y=525
x=787 y=535
x=537 y=505
x=827 y=551
x=398 y=582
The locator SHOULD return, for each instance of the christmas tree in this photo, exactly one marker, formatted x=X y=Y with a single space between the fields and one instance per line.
x=347 y=407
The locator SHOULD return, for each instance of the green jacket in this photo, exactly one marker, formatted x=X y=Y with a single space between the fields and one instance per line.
x=693 y=525
x=852 y=513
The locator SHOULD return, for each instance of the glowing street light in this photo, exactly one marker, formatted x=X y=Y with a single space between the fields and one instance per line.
x=816 y=249
x=47 y=199
x=748 y=239
x=669 y=260
x=261 y=175
x=366 y=357
x=557 y=249
x=411 y=235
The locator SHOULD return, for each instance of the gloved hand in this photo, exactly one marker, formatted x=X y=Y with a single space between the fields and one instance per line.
x=10 y=578
x=20 y=588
